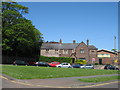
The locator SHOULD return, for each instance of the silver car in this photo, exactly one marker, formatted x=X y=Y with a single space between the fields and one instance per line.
x=88 y=66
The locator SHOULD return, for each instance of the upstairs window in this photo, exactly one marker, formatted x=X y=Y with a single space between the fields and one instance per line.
x=82 y=51
x=65 y=52
x=56 y=49
x=47 y=50
x=92 y=52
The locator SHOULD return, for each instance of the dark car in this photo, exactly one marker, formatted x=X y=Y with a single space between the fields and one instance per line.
x=77 y=65
x=20 y=62
x=42 y=64
x=31 y=63
x=110 y=67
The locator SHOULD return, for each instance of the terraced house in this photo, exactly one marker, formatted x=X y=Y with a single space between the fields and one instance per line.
x=74 y=50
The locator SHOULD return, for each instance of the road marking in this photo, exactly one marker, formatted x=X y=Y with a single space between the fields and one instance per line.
x=30 y=84
x=100 y=84
x=54 y=86
x=3 y=77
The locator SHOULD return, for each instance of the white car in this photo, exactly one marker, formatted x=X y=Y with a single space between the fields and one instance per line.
x=64 y=65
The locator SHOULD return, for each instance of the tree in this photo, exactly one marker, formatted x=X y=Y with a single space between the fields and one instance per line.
x=19 y=36
x=115 y=50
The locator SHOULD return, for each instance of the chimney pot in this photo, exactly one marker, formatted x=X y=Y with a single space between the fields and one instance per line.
x=74 y=41
x=87 y=42
x=60 y=41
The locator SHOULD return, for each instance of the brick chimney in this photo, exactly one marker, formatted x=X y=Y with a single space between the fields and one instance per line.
x=74 y=41
x=60 y=41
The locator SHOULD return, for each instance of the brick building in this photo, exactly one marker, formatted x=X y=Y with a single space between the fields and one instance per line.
x=107 y=57
x=119 y=57
x=75 y=50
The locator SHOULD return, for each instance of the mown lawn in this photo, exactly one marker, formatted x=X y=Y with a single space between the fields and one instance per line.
x=99 y=79
x=33 y=72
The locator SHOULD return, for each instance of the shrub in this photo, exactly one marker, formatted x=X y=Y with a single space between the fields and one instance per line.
x=57 y=59
x=96 y=63
x=79 y=61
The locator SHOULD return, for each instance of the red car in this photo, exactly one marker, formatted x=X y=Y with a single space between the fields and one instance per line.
x=53 y=64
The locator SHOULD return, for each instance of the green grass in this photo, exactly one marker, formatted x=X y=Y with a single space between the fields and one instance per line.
x=33 y=72
x=99 y=79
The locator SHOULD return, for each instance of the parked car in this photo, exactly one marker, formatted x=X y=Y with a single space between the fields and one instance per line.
x=20 y=62
x=110 y=67
x=77 y=65
x=88 y=66
x=31 y=63
x=64 y=65
x=53 y=64
x=42 y=64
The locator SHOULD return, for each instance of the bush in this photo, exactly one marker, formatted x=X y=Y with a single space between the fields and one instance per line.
x=57 y=59
x=96 y=63
x=79 y=61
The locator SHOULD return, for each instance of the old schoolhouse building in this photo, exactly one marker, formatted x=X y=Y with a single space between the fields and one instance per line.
x=74 y=50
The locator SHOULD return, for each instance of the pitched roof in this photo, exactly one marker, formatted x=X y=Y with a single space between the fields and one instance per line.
x=91 y=47
x=107 y=51
x=63 y=46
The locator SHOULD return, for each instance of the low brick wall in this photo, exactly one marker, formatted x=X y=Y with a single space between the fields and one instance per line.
x=99 y=66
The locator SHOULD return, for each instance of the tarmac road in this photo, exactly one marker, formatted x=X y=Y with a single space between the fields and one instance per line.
x=71 y=82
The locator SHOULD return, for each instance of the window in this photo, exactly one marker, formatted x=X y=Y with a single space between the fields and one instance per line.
x=104 y=55
x=65 y=52
x=47 y=50
x=73 y=50
x=56 y=49
x=92 y=52
x=82 y=51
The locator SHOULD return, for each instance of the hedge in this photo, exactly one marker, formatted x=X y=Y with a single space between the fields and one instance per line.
x=57 y=59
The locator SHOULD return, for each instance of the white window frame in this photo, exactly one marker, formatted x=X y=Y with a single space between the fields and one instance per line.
x=92 y=52
x=82 y=51
x=65 y=51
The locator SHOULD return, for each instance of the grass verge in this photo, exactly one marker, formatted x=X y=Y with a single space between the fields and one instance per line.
x=99 y=79
x=33 y=72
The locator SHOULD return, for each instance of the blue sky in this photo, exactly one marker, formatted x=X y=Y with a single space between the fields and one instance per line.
x=96 y=21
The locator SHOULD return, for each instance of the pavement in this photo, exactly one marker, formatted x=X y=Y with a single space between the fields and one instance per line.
x=68 y=82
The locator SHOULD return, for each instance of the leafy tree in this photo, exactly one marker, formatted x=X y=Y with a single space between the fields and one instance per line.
x=115 y=50
x=19 y=36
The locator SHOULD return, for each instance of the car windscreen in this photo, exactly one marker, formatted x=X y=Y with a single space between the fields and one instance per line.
x=88 y=65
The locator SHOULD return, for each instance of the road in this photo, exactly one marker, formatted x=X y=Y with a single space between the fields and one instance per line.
x=54 y=83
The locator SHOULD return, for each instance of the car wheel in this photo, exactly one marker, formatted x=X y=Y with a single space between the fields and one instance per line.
x=117 y=68
x=59 y=66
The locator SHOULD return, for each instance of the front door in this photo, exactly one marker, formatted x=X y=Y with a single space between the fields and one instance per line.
x=100 y=61
x=73 y=60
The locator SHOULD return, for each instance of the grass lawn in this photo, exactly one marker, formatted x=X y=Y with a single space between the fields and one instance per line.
x=99 y=79
x=33 y=72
